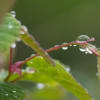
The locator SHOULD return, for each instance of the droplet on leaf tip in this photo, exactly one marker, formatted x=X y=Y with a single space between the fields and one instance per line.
x=82 y=49
x=64 y=48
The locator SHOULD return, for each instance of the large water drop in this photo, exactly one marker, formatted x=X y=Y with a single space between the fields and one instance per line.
x=83 y=38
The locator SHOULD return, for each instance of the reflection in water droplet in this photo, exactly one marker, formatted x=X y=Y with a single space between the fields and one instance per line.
x=30 y=70
x=13 y=13
x=40 y=86
x=74 y=45
x=67 y=69
x=83 y=38
x=86 y=50
x=82 y=50
x=13 y=45
x=64 y=48
x=22 y=32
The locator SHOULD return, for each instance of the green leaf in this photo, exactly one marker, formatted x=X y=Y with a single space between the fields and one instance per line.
x=9 y=91
x=47 y=74
x=9 y=32
x=47 y=93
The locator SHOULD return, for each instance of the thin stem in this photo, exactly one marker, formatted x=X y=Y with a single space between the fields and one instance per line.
x=57 y=47
x=10 y=59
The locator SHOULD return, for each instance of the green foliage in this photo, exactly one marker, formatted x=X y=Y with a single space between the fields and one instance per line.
x=53 y=75
x=48 y=93
x=10 y=92
x=9 y=32
x=48 y=74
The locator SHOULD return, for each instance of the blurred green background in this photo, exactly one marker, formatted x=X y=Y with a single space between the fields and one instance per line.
x=57 y=21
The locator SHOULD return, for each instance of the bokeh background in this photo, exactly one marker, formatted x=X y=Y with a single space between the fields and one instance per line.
x=53 y=22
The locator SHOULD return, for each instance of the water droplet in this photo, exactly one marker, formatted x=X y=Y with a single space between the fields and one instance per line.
x=64 y=48
x=10 y=26
x=40 y=86
x=86 y=50
x=74 y=45
x=13 y=13
x=97 y=74
x=14 y=91
x=89 y=51
x=83 y=38
x=82 y=49
x=67 y=69
x=15 y=96
x=24 y=28
x=30 y=70
x=13 y=45
x=6 y=94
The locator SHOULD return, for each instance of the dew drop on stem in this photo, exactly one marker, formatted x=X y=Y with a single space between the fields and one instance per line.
x=82 y=49
x=83 y=38
x=64 y=48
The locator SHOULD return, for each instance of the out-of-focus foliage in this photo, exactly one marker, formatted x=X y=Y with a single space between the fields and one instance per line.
x=47 y=92
x=9 y=32
x=10 y=92
x=53 y=22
